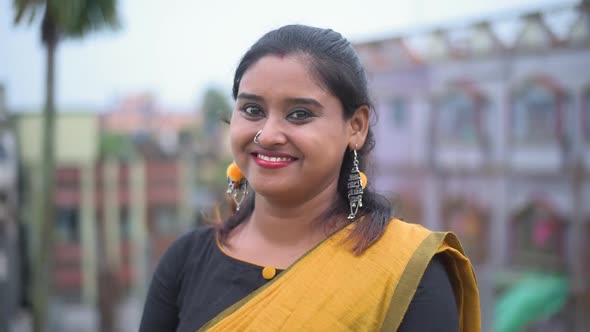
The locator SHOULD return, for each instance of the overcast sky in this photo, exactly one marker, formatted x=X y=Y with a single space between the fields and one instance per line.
x=176 y=48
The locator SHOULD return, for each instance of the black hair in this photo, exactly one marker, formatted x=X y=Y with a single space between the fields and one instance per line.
x=336 y=67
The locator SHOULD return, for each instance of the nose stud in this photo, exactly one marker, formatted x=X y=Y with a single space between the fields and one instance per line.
x=256 y=137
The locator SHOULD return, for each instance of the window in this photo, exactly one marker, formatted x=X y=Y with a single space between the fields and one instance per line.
x=125 y=224
x=399 y=113
x=68 y=178
x=534 y=115
x=459 y=115
x=67 y=224
x=470 y=223
x=538 y=238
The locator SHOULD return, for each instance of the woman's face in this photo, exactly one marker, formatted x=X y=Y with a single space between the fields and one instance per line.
x=304 y=134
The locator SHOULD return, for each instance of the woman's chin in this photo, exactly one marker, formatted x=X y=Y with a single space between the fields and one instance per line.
x=273 y=192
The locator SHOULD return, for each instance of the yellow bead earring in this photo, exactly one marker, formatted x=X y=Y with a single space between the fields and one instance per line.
x=237 y=186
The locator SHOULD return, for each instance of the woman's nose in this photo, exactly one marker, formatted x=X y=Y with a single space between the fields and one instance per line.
x=271 y=134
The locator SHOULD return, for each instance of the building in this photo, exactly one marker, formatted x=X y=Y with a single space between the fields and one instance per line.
x=122 y=194
x=485 y=130
x=141 y=115
x=11 y=276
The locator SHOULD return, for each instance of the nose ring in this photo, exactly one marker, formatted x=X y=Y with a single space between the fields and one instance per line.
x=256 y=137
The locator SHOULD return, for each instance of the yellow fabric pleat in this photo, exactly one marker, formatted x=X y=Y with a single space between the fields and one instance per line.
x=331 y=289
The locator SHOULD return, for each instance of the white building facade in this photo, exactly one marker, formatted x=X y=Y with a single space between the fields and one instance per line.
x=487 y=133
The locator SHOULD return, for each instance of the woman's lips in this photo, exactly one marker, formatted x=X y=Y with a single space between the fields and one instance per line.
x=272 y=160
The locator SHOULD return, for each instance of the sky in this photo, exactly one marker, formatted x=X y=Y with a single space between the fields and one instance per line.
x=175 y=49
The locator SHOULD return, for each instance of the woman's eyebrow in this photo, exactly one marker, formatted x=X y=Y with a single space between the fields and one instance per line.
x=304 y=101
x=250 y=96
x=294 y=100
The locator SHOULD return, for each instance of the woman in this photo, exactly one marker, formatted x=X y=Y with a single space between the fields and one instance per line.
x=310 y=246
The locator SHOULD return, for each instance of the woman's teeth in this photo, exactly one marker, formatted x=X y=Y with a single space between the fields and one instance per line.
x=273 y=159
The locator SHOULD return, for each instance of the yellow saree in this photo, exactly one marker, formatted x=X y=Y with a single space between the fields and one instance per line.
x=331 y=289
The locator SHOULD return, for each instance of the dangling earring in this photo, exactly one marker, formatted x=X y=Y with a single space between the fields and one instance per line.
x=237 y=186
x=357 y=181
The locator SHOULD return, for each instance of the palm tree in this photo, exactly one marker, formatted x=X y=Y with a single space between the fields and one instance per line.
x=61 y=19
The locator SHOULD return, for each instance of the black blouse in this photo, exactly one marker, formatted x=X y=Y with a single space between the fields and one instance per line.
x=195 y=281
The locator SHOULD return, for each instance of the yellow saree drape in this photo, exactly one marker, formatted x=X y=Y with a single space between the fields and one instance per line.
x=331 y=289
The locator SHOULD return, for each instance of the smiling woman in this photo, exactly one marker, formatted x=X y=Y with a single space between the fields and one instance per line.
x=310 y=246
x=303 y=133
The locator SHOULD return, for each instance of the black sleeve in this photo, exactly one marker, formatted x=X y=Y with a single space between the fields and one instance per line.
x=160 y=312
x=433 y=307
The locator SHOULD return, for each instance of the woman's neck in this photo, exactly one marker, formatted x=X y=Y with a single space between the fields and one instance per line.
x=291 y=222
x=278 y=234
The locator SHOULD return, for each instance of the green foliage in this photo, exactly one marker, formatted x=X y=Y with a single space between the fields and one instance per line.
x=216 y=108
x=219 y=176
x=73 y=18
x=116 y=146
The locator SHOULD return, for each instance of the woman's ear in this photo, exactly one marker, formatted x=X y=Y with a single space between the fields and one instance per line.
x=359 y=127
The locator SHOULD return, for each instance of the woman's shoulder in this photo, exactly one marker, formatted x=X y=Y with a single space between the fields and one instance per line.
x=200 y=232
x=401 y=241
x=193 y=240
x=401 y=229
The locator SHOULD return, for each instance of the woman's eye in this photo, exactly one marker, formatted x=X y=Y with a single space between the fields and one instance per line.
x=300 y=115
x=252 y=111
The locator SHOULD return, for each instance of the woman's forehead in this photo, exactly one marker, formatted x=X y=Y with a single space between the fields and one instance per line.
x=273 y=74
